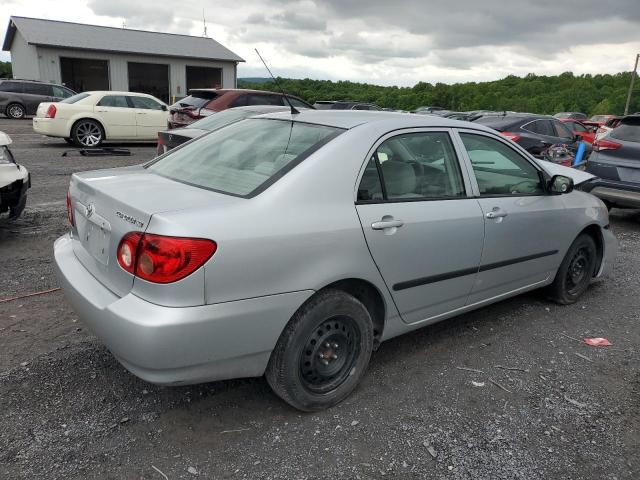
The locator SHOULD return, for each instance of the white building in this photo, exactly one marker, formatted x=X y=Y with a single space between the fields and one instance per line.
x=90 y=57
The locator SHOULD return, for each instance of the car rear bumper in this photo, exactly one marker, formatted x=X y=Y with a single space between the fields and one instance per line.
x=169 y=345
x=51 y=127
x=619 y=193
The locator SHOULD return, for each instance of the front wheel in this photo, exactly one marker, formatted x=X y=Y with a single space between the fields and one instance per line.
x=87 y=133
x=575 y=272
x=322 y=353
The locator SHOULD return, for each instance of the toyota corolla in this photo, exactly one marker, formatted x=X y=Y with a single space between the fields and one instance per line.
x=291 y=245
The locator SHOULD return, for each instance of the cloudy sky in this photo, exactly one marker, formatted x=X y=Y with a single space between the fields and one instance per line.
x=397 y=42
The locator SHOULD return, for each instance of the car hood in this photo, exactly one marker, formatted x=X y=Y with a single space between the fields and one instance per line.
x=578 y=176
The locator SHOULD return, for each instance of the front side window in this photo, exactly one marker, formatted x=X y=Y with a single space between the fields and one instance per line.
x=413 y=166
x=499 y=169
x=243 y=158
x=561 y=130
x=113 y=101
x=61 y=92
x=145 y=103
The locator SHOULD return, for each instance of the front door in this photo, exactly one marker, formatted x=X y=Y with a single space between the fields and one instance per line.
x=422 y=226
x=523 y=242
x=150 y=117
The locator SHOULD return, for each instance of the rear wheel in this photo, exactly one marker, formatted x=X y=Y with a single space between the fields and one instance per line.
x=15 y=111
x=87 y=133
x=323 y=352
x=575 y=272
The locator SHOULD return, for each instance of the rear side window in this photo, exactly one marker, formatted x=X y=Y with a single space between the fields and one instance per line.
x=629 y=132
x=13 y=87
x=264 y=100
x=244 y=158
x=113 y=101
x=38 y=89
x=413 y=166
x=145 y=103
x=561 y=130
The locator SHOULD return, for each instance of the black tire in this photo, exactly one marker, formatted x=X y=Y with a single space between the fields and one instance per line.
x=15 y=111
x=322 y=353
x=575 y=272
x=69 y=141
x=87 y=133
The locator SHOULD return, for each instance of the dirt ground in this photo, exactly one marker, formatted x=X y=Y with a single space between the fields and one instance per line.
x=546 y=405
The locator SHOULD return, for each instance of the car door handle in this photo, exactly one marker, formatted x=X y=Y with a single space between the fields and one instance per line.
x=496 y=213
x=141 y=113
x=387 y=224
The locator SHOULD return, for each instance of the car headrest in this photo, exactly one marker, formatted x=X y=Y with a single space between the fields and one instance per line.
x=399 y=177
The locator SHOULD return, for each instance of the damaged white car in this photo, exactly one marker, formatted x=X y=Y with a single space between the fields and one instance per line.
x=14 y=181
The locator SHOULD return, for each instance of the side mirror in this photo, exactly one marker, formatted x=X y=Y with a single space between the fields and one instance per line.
x=560 y=184
x=164 y=108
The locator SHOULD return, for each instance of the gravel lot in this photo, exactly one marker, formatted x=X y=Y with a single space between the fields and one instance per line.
x=558 y=408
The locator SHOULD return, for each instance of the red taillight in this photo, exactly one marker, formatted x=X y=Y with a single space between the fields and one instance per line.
x=51 y=112
x=160 y=146
x=600 y=145
x=70 y=210
x=514 y=137
x=161 y=259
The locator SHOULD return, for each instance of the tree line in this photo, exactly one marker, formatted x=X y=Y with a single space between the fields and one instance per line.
x=590 y=94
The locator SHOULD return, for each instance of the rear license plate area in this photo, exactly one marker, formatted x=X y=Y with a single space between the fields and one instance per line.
x=95 y=235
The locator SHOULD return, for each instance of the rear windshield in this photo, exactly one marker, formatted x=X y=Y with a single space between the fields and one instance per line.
x=629 y=132
x=198 y=99
x=244 y=158
x=220 y=119
x=75 y=98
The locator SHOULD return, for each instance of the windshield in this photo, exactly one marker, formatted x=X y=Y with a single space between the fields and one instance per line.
x=75 y=98
x=244 y=158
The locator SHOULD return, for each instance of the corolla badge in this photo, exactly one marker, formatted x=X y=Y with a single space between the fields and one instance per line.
x=130 y=219
x=90 y=210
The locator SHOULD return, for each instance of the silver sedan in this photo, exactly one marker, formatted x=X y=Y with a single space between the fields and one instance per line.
x=291 y=245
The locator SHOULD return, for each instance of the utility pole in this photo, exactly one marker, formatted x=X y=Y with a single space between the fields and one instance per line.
x=633 y=79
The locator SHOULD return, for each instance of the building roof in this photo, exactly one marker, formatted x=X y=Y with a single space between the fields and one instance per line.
x=79 y=36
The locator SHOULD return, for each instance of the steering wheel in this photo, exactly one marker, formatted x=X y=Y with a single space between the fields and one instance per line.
x=531 y=184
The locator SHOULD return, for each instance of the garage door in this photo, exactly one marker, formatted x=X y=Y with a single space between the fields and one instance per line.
x=84 y=74
x=203 y=77
x=151 y=78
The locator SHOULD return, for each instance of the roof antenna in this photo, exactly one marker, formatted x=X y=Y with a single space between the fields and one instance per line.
x=293 y=109
x=204 y=24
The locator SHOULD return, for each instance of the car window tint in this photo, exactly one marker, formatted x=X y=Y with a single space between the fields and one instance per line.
x=561 y=130
x=240 y=158
x=145 y=103
x=113 y=101
x=75 y=98
x=534 y=127
x=297 y=103
x=241 y=101
x=61 y=92
x=37 y=89
x=499 y=169
x=576 y=127
x=264 y=100
x=13 y=87
x=420 y=165
x=370 y=187
x=220 y=119
x=629 y=132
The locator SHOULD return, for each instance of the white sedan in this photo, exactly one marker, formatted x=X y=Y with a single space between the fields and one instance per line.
x=89 y=118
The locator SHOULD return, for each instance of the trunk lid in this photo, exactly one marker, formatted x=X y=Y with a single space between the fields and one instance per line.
x=108 y=204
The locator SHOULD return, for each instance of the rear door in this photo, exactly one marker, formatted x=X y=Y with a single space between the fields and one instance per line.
x=150 y=117
x=522 y=223
x=422 y=225
x=34 y=94
x=117 y=117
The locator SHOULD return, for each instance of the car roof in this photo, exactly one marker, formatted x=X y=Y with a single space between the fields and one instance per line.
x=237 y=90
x=352 y=118
x=117 y=92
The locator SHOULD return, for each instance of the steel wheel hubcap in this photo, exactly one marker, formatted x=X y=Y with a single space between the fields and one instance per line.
x=329 y=354
x=89 y=134
x=578 y=269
